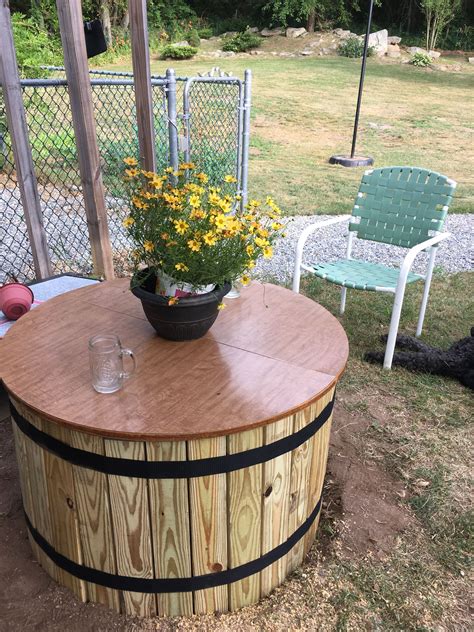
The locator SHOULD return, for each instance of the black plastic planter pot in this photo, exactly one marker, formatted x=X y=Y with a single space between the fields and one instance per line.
x=190 y=318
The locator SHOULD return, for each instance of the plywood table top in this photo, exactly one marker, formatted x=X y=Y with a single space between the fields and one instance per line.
x=269 y=354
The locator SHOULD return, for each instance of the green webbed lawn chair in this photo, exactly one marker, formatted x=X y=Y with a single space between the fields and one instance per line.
x=403 y=206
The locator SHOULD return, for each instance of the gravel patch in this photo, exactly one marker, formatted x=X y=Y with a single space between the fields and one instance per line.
x=66 y=228
x=329 y=244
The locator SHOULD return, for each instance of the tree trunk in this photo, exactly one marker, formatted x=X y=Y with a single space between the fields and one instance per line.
x=311 y=21
x=125 y=20
x=105 y=19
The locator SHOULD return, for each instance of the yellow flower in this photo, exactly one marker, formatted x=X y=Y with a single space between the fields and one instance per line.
x=197 y=214
x=146 y=194
x=250 y=250
x=261 y=243
x=181 y=267
x=250 y=264
x=225 y=206
x=156 y=182
x=214 y=199
x=233 y=224
x=245 y=280
x=187 y=165
x=221 y=221
x=169 y=170
x=194 y=245
x=267 y=252
x=230 y=179
x=173 y=300
x=165 y=236
x=148 y=246
x=149 y=174
x=210 y=238
x=181 y=226
x=131 y=162
x=254 y=204
x=132 y=173
x=127 y=222
x=202 y=177
x=195 y=201
x=262 y=232
x=276 y=225
x=179 y=173
x=221 y=306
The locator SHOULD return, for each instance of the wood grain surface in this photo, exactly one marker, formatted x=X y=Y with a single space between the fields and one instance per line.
x=270 y=354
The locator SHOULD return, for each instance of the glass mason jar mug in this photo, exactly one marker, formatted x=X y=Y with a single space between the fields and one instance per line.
x=106 y=361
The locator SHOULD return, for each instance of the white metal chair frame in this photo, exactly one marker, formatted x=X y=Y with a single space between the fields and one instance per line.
x=399 y=291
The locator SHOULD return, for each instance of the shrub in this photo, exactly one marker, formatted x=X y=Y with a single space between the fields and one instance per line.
x=420 y=59
x=178 y=52
x=193 y=38
x=205 y=32
x=242 y=42
x=34 y=47
x=354 y=47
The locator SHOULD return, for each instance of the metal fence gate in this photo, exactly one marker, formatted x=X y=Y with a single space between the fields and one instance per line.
x=208 y=126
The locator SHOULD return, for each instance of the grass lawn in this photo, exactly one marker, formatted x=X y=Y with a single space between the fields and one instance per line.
x=303 y=112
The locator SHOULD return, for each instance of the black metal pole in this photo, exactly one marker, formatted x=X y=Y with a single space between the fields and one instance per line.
x=362 y=77
x=343 y=159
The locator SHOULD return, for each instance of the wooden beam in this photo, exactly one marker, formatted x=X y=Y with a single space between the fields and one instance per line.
x=80 y=95
x=24 y=166
x=142 y=80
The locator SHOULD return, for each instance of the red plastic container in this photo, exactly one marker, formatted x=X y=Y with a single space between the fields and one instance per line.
x=15 y=300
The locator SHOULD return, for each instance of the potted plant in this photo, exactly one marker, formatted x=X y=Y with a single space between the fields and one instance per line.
x=191 y=242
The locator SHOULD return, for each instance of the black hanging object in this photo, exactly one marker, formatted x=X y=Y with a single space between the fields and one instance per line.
x=95 y=38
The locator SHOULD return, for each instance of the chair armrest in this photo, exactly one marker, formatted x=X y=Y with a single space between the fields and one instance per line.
x=415 y=250
x=302 y=240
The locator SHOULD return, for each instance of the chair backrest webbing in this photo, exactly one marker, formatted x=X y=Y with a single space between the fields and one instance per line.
x=401 y=205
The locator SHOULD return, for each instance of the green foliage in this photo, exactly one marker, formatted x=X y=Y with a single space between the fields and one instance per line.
x=205 y=32
x=438 y=13
x=34 y=47
x=193 y=38
x=420 y=59
x=282 y=11
x=354 y=47
x=242 y=42
x=178 y=52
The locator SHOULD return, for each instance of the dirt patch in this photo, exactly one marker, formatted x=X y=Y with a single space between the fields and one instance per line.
x=371 y=517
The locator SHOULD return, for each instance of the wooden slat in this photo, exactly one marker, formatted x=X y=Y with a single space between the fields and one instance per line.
x=245 y=518
x=131 y=526
x=300 y=475
x=80 y=95
x=95 y=525
x=169 y=510
x=276 y=505
x=208 y=508
x=318 y=466
x=18 y=128
x=142 y=81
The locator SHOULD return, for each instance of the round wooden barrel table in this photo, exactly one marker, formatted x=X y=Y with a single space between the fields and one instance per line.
x=195 y=488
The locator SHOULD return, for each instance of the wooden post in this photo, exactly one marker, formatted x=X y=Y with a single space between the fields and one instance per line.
x=142 y=80
x=80 y=95
x=21 y=146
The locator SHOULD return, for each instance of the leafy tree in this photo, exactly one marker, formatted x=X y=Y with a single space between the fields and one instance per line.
x=313 y=11
x=439 y=14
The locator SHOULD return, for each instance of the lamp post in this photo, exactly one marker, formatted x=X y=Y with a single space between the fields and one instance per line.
x=353 y=160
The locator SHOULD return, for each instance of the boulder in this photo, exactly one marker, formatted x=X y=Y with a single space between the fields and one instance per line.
x=229 y=34
x=316 y=43
x=394 y=39
x=182 y=43
x=470 y=60
x=379 y=41
x=227 y=53
x=306 y=53
x=393 y=50
x=434 y=54
x=415 y=49
x=294 y=33
x=272 y=32
x=253 y=29
x=341 y=33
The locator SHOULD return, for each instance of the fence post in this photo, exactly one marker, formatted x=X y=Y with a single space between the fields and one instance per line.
x=246 y=135
x=172 y=118
x=80 y=95
x=21 y=146
x=142 y=81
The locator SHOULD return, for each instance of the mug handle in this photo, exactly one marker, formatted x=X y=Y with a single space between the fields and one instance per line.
x=126 y=374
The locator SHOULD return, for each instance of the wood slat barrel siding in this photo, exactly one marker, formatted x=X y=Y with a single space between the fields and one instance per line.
x=165 y=528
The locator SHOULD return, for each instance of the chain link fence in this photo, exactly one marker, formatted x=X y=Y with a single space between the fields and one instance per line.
x=208 y=130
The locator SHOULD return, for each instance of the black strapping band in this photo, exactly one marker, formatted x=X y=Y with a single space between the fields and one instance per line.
x=170 y=469
x=172 y=584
